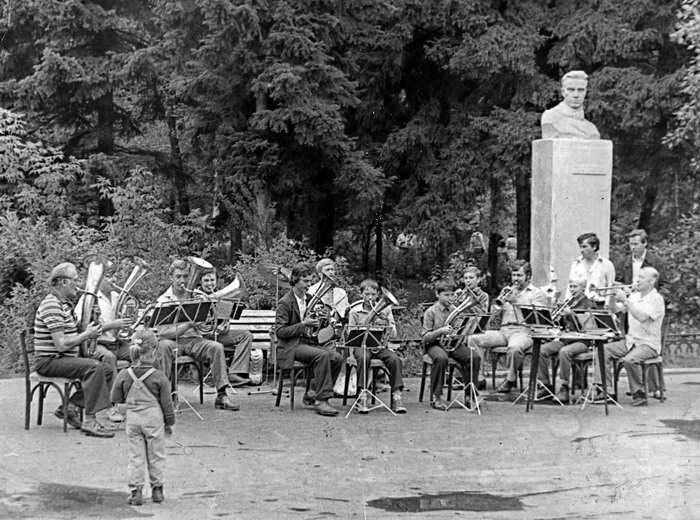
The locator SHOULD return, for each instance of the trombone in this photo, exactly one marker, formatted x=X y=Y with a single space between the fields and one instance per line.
x=610 y=290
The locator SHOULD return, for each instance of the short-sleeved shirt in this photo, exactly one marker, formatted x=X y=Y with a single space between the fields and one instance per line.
x=54 y=315
x=601 y=273
x=434 y=318
x=358 y=316
x=530 y=295
x=169 y=296
x=647 y=332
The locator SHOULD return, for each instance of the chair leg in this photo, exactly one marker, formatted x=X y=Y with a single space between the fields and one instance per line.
x=494 y=363
x=422 y=382
x=291 y=390
x=346 y=387
x=40 y=409
x=520 y=377
x=555 y=369
x=200 y=379
x=645 y=386
x=662 y=385
x=375 y=373
x=617 y=368
x=27 y=404
x=450 y=374
x=279 y=388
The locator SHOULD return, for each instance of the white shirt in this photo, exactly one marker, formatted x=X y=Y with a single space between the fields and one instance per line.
x=637 y=265
x=169 y=296
x=647 y=332
x=600 y=273
x=530 y=295
x=301 y=303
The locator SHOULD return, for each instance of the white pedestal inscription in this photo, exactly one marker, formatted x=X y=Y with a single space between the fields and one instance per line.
x=571 y=183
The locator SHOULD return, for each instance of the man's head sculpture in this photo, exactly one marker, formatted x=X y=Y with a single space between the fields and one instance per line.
x=566 y=120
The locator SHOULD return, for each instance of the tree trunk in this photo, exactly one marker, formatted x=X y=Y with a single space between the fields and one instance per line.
x=178 y=171
x=649 y=199
x=379 y=245
x=522 y=211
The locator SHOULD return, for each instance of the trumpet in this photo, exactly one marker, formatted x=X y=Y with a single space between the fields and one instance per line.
x=567 y=304
x=504 y=295
x=609 y=290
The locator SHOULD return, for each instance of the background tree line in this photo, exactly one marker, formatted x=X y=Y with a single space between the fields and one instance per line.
x=221 y=126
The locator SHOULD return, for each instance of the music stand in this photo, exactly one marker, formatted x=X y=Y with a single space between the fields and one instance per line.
x=536 y=317
x=364 y=337
x=471 y=324
x=606 y=324
x=174 y=313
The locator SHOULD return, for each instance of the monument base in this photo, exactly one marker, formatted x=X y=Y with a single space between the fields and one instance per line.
x=570 y=195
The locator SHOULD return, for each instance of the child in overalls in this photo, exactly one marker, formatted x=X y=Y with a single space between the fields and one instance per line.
x=149 y=416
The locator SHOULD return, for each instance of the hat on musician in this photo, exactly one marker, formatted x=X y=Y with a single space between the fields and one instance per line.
x=63 y=270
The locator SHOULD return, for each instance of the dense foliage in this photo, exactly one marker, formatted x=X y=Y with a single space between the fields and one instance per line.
x=387 y=131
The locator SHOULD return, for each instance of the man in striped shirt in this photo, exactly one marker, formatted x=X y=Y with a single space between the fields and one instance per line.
x=56 y=348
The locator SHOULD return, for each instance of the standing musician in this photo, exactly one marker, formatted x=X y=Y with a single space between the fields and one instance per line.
x=189 y=341
x=369 y=289
x=646 y=310
x=336 y=299
x=56 y=344
x=109 y=347
x=640 y=256
x=592 y=267
x=240 y=342
x=575 y=299
x=292 y=342
x=514 y=335
x=435 y=328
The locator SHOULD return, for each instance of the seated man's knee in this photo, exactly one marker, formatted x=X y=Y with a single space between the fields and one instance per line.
x=440 y=359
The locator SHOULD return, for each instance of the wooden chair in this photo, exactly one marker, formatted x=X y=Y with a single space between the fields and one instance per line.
x=34 y=382
x=260 y=323
x=428 y=362
x=656 y=363
x=183 y=360
x=294 y=371
x=579 y=373
x=497 y=353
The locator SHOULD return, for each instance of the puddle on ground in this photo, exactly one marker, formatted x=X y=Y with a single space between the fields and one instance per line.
x=689 y=428
x=450 y=501
x=691 y=382
x=86 y=501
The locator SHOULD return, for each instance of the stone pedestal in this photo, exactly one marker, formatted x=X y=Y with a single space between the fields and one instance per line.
x=571 y=183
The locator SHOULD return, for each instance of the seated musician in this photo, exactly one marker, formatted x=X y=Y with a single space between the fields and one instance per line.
x=435 y=328
x=240 y=342
x=645 y=310
x=512 y=334
x=293 y=342
x=109 y=347
x=370 y=291
x=575 y=299
x=472 y=278
x=56 y=348
x=189 y=341
x=336 y=298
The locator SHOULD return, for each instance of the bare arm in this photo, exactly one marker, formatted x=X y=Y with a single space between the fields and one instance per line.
x=65 y=342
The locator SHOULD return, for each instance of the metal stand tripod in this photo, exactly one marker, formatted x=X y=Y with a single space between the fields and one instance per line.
x=364 y=392
x=469 y=388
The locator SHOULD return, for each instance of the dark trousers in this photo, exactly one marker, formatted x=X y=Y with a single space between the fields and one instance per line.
x=95 y=379
x=468 y=366
x=109 y=354
x=386 y=356
x=326 y=365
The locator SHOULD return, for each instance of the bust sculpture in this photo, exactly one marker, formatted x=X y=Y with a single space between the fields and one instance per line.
x=566 y=120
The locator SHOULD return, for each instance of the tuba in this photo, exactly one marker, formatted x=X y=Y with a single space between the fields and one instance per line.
x=126 y=304
x=386 y=300
x=325 y=331
x=199 y=265
x=95 y=274
x=447 y=341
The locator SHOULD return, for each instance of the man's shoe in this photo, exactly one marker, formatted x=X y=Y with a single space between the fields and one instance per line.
x=95 y=429
x=224 y=402
x=73 y=416
x=481 y=385
x=639 y=399
x=157 y=494
x=136 y=498
x=398 y=406
x=362 y=406
x=309 y=398
x=506 y=387
x=323 y=408
x=237 y=380
x=439 y=404
x=563 y=394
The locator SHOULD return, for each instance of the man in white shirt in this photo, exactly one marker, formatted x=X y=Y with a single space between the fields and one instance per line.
x=646 y=310
x=592 y=267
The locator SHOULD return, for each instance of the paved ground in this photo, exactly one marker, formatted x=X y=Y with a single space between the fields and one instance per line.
x=271 y=463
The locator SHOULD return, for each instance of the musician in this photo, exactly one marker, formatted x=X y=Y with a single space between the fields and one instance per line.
x=566 y=350
x=189 y=341
x=241 y=342
x=292 y=342
x=646 y=310
x=471 y=280
x=640 y=256
x=434 y=328
x=369 y=289
x=592 y=267
x=56 y=348
x=336 y=298
x=109 y=347
x=514 y=335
